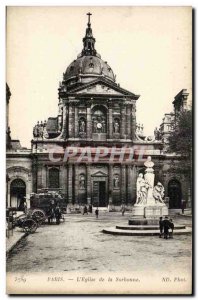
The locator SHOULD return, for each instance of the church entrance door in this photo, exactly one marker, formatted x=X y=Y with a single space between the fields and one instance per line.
x=102 y=193
x=174 y=194
x=99 y=194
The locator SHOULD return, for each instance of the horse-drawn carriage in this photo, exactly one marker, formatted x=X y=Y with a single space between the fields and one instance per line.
x=45 y=205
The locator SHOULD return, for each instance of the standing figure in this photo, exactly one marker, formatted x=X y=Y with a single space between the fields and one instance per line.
x=97 y=213
x=142 y=190
x=123 y=210
x=116 y=182
x=85 y=210
x=161 y=226
x=183 y=205
x=82 y=126
x=171 y=226
x=57 y=214
x=166 y=224
x=90 y=208
x=116 y=126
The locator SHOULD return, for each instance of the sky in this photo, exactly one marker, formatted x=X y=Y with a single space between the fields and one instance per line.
x=148 y=48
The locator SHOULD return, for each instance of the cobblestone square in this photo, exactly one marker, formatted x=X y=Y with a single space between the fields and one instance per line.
x=79 y=245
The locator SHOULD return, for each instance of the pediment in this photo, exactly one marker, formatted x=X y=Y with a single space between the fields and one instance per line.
x=99 y=88
x=102 y=86
x=99 y=174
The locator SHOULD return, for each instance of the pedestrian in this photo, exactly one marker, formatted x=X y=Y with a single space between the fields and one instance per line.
x=57 y=214
x=166 y=224
x=85 y=210
x=161 y=226
x=90 y=208
x=97 y=212
x=171 y=226
x=183 y=205
x=123 y=210
x=25 y=207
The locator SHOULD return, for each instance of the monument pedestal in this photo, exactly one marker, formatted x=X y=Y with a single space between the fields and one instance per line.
x=150 y=211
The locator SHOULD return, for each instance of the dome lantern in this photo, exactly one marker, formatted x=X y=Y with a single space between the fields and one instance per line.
x=89 y=40
x=88 y=66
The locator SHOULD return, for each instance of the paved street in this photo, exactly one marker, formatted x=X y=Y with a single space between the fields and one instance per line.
x=79 y=245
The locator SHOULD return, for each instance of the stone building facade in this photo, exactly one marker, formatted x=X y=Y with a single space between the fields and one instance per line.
x=91 y=151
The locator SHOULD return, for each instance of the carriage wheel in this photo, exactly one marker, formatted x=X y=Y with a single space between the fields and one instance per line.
x=39 y=216
x=29 y=226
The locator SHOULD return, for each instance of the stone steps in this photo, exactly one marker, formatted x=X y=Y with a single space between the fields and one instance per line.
x=149 y=232
x=145 y=227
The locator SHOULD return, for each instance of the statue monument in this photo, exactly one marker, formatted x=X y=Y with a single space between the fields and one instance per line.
x=149 y=198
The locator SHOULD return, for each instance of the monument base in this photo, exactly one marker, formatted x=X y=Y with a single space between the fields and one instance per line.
x=150 y=211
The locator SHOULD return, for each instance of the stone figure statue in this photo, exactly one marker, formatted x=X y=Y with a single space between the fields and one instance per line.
x=36 y=130
x=157 y=134
x=45 y=133
x=82 y=126
x=116 y=182
x=142 y=190
x=82 y=182
x=103 y=126
x=149 y=177
x=116 y=126
x=158 y=193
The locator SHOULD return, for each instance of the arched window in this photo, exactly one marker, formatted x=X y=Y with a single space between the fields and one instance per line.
x=99 y=120
x=53 y=178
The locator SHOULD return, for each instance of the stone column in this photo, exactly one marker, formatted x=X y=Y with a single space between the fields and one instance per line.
x=134 y=180
x=123 y=122
x=123 y=184
x=64 y=127
x=110 y=121
x=44 y=176
x=128 y=121
x=129 y=185
x=63 y=179
x=110 y=184
x=88 y=184
x=39 y=176
x=71 y=120
x=133 y=121
x=70 y=184
x=89 y=125
x=76 y=187
x=76 y=121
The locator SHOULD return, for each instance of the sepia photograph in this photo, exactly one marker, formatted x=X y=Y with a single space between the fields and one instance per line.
x=99 y=149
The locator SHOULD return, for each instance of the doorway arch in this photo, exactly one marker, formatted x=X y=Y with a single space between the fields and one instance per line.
x=174 y=193
x=17 y=193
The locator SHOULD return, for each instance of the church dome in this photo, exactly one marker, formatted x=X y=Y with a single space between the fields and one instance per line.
x=88 y=64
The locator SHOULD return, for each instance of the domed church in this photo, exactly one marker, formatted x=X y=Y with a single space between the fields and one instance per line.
x=93 y=150
x=94 y=111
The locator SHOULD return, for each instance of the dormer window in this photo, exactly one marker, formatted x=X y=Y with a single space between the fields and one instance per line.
x=91 y=65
